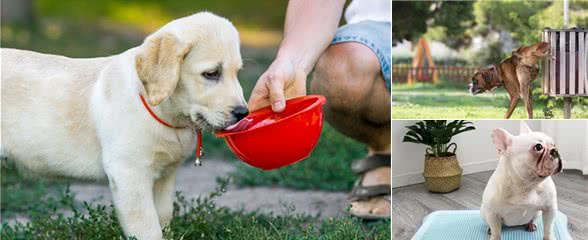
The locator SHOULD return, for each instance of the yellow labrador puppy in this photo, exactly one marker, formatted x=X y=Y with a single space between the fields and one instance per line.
x=84 y=118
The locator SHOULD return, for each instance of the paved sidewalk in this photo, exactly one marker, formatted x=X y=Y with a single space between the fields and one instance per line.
x=195 y=181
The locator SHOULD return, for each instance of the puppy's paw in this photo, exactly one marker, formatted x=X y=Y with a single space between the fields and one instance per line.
x=548 y=238
x=531 y=227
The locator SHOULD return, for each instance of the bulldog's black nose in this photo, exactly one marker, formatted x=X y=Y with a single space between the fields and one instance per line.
x=240 y=112
x=554 y=153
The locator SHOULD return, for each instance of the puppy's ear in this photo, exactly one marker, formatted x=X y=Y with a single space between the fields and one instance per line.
x=158 y=65
x=524 y=128
x=502 y=139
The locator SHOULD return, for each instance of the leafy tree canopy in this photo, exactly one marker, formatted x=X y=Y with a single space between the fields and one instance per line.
x=450 y=20
x=525 y=20
x=455 y=23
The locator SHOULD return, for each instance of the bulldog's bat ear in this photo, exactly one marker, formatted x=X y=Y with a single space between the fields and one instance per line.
x=559 y=166
x=502 y=139
x=524 y=128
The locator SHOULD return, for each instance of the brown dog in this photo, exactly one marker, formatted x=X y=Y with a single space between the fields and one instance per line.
x=515 y=74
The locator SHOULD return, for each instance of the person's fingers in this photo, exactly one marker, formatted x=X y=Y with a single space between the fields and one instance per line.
x=259 y=96
x=257 y=101
x=276 y=94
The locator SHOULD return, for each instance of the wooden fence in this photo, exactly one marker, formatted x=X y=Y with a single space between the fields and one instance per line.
x=456 y=74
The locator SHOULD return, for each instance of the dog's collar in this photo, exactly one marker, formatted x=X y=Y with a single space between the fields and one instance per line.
x=520 y=60
x=528 y=66
x=199 y=150
x=495 y=70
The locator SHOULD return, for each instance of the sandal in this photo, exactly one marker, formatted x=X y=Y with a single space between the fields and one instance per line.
x=362 y=193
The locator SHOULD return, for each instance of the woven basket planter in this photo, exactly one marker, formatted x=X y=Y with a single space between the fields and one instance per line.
x=442 y=174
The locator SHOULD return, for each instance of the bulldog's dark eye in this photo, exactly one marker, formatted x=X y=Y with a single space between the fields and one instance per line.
x=213 y=75
x=538 y=147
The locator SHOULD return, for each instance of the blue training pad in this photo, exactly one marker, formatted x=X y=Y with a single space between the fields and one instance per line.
x=469 y=225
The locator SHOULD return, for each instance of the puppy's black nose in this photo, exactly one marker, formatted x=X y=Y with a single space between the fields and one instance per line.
x=240 y=112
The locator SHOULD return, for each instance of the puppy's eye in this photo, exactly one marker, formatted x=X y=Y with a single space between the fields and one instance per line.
x=538 y=147
x=212 y=75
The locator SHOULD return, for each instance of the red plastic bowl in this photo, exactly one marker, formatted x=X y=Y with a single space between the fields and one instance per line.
x=273 y=140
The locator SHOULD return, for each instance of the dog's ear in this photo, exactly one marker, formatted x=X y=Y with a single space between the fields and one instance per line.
x=502 y=139
x=524 y=128
x=517 y=52
x=559 y=166
x=158 y=65
x=486 y=76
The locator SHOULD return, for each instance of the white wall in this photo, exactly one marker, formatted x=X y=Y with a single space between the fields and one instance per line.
x=571 y=138
x=476 y=152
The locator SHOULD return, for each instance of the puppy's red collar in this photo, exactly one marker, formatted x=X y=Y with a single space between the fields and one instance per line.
x=164 y=123
x=199 y=151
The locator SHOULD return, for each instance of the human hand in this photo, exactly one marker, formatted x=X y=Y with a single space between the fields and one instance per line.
x=282 y=80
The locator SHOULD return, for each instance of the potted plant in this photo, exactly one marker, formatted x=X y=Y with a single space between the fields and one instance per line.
x=442 y=171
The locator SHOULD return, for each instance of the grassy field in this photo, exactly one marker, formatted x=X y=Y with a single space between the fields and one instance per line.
x=21 y=194
x=444 y=101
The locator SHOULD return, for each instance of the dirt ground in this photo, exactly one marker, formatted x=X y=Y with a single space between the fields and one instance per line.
x=195 y=181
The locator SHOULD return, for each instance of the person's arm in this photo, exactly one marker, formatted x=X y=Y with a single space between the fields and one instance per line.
x=308 y=30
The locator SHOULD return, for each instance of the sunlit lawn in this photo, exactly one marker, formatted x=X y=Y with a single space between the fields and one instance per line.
x=427 y=101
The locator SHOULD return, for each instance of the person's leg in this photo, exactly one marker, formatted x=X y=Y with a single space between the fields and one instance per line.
x=358 y=105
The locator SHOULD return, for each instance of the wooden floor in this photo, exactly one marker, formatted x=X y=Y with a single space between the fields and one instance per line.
x=411 y=204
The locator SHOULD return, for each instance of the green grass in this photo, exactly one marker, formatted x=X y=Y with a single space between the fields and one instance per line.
x=20 y=194
x=328 y=167
x=444 y=101
x=192 y=219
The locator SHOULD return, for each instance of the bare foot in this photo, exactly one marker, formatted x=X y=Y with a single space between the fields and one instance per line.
x=377 y=205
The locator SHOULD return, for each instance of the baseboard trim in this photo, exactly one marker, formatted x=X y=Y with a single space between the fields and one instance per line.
x=576 y=165
x=417 y=177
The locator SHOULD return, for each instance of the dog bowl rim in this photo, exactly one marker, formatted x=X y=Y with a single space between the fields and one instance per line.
x=318 y=100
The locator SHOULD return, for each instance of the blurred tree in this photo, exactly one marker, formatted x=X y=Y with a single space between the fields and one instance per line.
x=17 y=10
x=516 y=17
x=409 y=20
x=148 y=15
x=449 y=21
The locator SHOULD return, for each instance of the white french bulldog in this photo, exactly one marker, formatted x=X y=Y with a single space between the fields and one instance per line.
x=521 y=185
